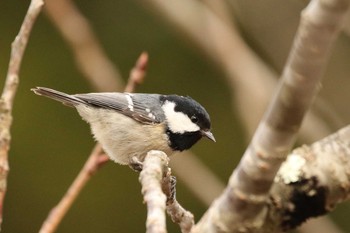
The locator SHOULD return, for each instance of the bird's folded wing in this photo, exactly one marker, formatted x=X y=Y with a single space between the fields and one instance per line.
x=124 y=103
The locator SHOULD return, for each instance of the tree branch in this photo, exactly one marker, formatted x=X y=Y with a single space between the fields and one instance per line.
x=177 y=213
x=89 y=55
x=181 y=216
x=137 y=73
x=7 y=98
x=91 y=166
x=312 y=181
x=154 y=167
x=241 y=206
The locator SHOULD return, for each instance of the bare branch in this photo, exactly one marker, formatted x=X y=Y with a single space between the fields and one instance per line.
x=154 y=167
x=176 y=212
x=89 y=55
x=7 y=97
x=241 y=206
x=180 y=216
x=138 y=73
x=59 y=211
x=312 y=181
x=221 y=9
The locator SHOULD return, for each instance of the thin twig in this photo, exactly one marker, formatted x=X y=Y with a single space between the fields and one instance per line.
x=181 y=216
x=7 y=98
x=95 y=161
x=58 y=212
x=154 y=166
x=177 y=213
x=89 y=55
x=137 y=73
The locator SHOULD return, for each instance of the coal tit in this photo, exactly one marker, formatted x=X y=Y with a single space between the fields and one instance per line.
x=129 y=125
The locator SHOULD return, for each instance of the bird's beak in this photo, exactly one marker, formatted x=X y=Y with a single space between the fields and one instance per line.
x=209 y=135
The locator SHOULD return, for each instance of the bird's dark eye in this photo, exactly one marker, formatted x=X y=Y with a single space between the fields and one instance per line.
x=194 y=119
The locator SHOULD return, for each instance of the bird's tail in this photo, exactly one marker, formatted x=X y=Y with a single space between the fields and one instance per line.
x=64 y=98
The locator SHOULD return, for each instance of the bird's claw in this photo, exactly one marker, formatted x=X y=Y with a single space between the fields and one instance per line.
x=135 y=164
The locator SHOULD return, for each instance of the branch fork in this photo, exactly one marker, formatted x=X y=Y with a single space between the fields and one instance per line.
x=158 y=189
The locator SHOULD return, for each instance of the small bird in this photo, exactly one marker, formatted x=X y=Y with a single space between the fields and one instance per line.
x=129 y=125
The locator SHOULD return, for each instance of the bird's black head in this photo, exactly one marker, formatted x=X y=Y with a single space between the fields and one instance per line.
x=187 y=121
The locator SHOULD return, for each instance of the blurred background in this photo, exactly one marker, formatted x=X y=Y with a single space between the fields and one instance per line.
x=225 y=54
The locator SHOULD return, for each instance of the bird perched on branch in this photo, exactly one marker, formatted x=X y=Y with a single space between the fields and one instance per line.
x=129 y=125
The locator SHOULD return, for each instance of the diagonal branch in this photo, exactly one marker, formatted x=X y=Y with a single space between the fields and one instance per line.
x=91 y=166
x=89 y=55
x=177 y=213
x=180 y=215
x=158 y=189
x=241 y=206
x=7 y=97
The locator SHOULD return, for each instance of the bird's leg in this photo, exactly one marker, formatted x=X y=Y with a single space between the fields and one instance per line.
x=135 y=164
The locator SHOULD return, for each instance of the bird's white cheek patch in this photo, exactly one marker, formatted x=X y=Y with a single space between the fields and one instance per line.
x=178 y=122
